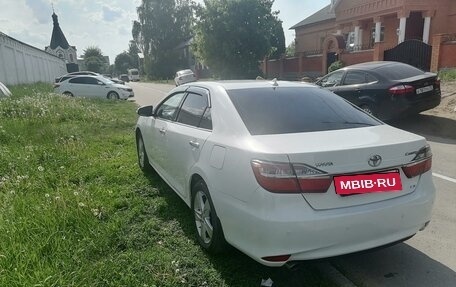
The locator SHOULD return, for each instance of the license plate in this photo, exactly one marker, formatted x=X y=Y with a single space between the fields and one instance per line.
x=368 y=183
x=424 y=89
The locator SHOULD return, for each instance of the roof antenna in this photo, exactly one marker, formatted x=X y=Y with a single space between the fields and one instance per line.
x=274 y=82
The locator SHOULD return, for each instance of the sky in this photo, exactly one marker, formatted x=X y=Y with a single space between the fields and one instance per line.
x=106 y=23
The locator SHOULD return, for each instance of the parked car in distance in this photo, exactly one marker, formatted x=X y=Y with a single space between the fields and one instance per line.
x=133 y=75
x=70 y=75
x=184 y=76
x=286 y=171
x=93 y=87
x=117 y=81
x=124 y=77
x=4 y=91
x=387 y=90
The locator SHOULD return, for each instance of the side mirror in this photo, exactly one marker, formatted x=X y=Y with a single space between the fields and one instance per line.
x=146 y=111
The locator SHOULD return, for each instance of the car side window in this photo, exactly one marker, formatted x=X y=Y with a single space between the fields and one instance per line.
x=168 y=109
x=370 y=78
x=79 y=80
x=355 y=78
x=332 y=80
x=91 y=81
x=193 y=109
x=206 y=120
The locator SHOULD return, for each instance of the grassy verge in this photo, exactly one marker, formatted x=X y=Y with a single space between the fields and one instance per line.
x=76 y=211
x=447 y=75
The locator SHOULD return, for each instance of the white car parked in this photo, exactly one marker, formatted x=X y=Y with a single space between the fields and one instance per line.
x=286 y=171
x=184 y=76
x=92 y=87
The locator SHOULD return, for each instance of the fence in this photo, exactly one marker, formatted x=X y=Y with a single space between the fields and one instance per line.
x=21 y=63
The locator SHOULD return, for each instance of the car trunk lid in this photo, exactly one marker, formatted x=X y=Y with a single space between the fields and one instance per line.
x=348 y=153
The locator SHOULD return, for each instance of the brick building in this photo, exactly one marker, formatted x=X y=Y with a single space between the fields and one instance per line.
x=355 y=31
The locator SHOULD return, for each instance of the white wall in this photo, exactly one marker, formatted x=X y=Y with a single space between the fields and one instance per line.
x=24 y=64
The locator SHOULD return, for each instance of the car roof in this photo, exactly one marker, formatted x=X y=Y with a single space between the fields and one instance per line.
x=187 y=71
x=80 y=76
x=249 y=84
x=373 y=65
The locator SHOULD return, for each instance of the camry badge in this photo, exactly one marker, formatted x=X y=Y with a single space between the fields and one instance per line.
x=375 y=160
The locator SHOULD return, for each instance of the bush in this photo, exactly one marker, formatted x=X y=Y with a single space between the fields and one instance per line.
x=336 y=66
x=447 y=74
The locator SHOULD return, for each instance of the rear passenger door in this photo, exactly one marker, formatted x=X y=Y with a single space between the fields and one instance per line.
x=356 y=87
x=187 y=136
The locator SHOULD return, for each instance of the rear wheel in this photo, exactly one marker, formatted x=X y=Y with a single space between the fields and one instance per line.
x=209 y=230
x=113 y=96
x=143 y=160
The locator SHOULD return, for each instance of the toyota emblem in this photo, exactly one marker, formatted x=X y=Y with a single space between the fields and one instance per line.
x=375 y=160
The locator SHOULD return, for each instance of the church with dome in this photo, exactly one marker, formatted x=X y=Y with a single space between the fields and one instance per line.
x=59 y=46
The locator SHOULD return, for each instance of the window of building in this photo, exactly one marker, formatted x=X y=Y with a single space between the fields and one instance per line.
x=382 y=34
x=71 y=58
x=350 y=40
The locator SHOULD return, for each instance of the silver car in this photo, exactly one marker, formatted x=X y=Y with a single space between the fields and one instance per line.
x=184 y=76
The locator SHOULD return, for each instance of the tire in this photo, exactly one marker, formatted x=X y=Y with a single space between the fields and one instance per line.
x=113 y=96
x=208 y=227
x=143 y=160
x=68 y=94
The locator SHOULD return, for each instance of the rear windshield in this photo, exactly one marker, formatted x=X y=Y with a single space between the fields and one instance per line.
x=398 y=71
x=134 y=73
x=293 y=110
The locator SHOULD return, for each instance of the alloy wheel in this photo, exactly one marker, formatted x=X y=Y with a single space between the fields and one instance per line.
x=202 y=210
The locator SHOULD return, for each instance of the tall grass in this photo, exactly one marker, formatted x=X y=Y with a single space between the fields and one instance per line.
x=447 y=74
x=76 y=211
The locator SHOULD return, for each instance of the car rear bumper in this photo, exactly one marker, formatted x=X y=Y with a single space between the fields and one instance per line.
x=398 y=109
x=273 y=227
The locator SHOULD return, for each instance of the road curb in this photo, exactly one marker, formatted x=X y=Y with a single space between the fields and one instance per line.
x=330 y=272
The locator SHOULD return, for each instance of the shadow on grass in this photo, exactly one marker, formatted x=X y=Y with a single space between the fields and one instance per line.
x=236 y=268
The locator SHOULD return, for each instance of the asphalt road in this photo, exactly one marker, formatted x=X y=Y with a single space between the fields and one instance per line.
x=429 y=258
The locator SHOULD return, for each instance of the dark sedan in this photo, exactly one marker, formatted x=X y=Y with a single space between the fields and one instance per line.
x=387 y=90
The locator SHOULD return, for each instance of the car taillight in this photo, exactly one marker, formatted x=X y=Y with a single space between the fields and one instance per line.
x=401 y=90
x=420 y=164
x=275 y=177
x=312 y=180
x=286 y=178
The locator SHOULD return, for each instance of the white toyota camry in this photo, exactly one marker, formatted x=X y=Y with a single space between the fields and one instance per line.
x=286 y=171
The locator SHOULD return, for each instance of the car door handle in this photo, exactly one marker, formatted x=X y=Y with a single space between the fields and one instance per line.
x=194 y=144
x=162 y=131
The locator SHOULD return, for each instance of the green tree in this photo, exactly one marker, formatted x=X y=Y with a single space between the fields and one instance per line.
x=162 y=26
x=233 y=35
x=133 y=53
x=291 y=49
x=122 y=63
x=94 y=60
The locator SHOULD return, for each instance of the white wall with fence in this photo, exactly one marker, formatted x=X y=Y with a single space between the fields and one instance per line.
x=21 y=63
